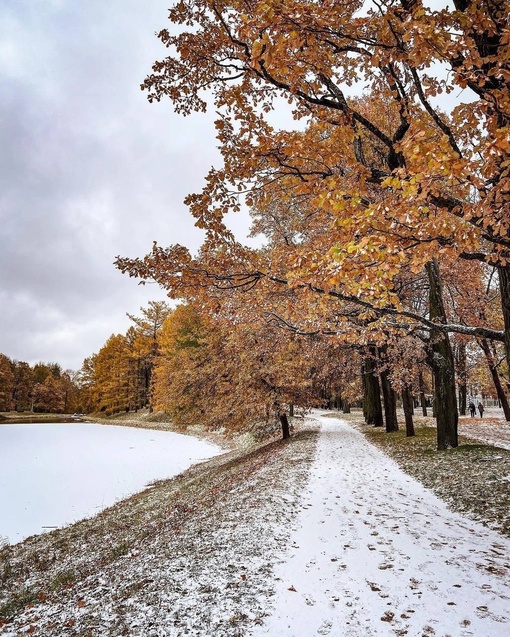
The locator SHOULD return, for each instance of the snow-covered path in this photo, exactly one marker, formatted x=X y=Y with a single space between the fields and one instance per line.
x=375 y=553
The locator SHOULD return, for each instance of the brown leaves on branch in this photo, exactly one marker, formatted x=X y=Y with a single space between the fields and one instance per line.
x=369 y=182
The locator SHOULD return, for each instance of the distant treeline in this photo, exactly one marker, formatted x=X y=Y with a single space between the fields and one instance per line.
x=203 y=369
x=43 y=387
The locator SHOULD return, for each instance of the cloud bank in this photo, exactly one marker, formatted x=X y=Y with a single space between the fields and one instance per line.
x=88 y=170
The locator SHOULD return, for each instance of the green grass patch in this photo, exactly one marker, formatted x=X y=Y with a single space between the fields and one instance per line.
x=66 y=577
x=120 y=549
x=16 y=603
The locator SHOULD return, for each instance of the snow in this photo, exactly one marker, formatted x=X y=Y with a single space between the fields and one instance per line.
x=322 y=535
x=375 y=553
x=492 y=429
x=55 y=474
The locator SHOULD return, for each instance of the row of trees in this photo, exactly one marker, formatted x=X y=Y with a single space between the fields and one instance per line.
x=222 y=368
x=386 y=217
x=119 y=376
x=43 y=387
x=199 y=368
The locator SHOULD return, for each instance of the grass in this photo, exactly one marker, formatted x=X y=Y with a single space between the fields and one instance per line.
x=17 y=602
x=54 y=562
x=64 y=578
x=24 y=417
x=473 y=478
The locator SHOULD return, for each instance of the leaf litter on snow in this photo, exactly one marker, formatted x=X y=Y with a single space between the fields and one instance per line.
x=473 y=478
x=269 y=543
x=377 y=554
x=190 y=556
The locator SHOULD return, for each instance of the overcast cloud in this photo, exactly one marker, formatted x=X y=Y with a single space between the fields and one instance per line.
x=88 y=170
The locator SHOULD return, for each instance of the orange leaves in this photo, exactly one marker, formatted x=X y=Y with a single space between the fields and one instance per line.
x=369 y=185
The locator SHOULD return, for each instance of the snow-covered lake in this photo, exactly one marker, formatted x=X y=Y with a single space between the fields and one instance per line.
x=55 y=474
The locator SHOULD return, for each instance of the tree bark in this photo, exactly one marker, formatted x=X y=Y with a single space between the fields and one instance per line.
x=407 y=403
x=390 y=403
x=462 y=377
x=285 y=426
x=364 y=385
x=504 y=288
x=442 y=363
x=423 y=400
x=372 y=405
x=495 y=377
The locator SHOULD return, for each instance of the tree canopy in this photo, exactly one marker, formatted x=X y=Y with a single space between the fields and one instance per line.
x=375 y=180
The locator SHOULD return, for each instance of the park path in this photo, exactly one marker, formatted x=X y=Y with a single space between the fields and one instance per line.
x=492 y=429
x=374 y=553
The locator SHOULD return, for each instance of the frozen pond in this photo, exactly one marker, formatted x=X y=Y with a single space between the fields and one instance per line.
x=55 y=474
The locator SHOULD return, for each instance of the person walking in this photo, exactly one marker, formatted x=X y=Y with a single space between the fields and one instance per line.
x=480 y=409
x=472 y=408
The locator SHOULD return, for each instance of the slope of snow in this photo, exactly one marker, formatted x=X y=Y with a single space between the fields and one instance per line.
x=375 y=553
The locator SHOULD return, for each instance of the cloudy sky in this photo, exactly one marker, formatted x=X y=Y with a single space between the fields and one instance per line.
x=88 y=170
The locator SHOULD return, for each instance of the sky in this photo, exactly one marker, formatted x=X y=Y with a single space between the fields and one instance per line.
x=88 y=170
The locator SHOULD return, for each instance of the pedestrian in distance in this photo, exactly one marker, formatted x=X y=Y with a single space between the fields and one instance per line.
x=480 y=409
x=472 y=408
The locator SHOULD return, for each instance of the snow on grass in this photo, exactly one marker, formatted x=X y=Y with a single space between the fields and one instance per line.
x=472 y=479
x=492 y=429
x=289 y=540
x=192 y=556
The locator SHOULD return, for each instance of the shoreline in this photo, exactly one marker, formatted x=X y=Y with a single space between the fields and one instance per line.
x=139 y=420
x=207 y=514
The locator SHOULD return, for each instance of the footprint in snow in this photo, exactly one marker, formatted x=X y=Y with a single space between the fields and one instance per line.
x=309 y=600
x=325 y=628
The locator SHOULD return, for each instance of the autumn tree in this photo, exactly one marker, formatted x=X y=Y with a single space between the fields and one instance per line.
x=49 y=396
x=119 y=376
x=6 y=383
x=471 y=295
x=235 y=375
x=143 y=343
x=110 y=374
x=22 y=386
x=400 y=183
x=85 y=381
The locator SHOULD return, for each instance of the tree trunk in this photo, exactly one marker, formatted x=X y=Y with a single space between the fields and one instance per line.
x=364 y=385
x=285 y=426
x=504 y=288
x=503 y=401
x=407 y=403
x=433 y=386
x=462 y=377
x=346 y=408
x=423 y=400
x=390 y=403
x=372 y=406
x=291 y=411
x=442 y=363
